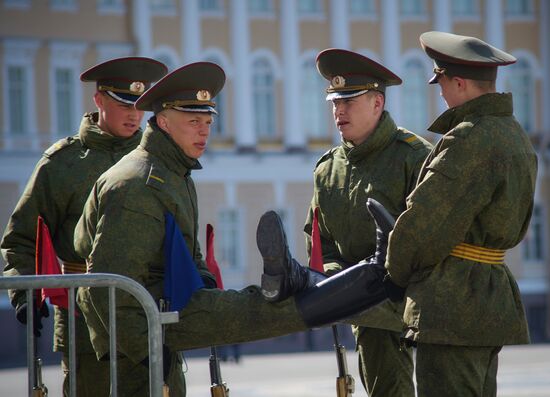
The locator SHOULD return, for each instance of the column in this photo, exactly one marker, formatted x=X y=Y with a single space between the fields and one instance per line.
x=494 y=32
x=442 y=22
x=543 y=178
x=191 y=36
x=339 y=38
x=242 y=87
x=141 y=25
x=339 y=24
x=294 y=138
x=391 y=50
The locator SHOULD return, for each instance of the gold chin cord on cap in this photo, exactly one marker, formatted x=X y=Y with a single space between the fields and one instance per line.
x=440 y=71
x=178 y=104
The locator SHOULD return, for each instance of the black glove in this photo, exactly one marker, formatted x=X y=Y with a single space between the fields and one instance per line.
x=43 y=311
x=166 y=362
x=394 y=291
x=384 y=225
x=209 y=283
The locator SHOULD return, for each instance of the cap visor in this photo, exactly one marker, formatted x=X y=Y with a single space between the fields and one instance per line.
x=344 y=94
x=433 y=80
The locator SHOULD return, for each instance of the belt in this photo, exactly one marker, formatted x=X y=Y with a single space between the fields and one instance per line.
x=479 y=254
x=71 y=267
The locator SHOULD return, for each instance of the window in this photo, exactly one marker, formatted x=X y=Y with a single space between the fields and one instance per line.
x=533 y=243
x=362 y=7
x=464 y=8
x=520 y=82
x=63 y=5
x=162 y=7
x=111 y=6
x=65 y=87
x=413 y=8
x=219 y=126
x=263 y=82
x=65 y=99
x=230 y=243
x=315 y=112
x=414 y=97
x=310 y=7
x=168 y=56
x=260 y=7
x=519 y=7
x=211 y=6
x=17 y=4
x=17 y=104
x=286 y=217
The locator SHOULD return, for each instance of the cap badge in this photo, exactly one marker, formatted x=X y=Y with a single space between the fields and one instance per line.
x=203 y=95
x=338 y=82
x=375 y=85
x=137 y=87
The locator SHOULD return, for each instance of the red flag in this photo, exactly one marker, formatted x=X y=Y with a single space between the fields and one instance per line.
x=47 y=263
x=316 y=256
x=211 y=262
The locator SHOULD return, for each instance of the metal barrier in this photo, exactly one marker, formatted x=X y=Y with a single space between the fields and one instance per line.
x=155 y=319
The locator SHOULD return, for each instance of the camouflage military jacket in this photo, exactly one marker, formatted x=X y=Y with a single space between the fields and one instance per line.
x=476 y=187
x=384 y=167
x=122 y=231
x=57 y=190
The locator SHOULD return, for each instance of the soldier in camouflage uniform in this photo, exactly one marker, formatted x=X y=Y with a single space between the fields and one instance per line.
x=57 y=190
x=376 y=159
x=127 y=208
x=473 y=201
x=130 y=201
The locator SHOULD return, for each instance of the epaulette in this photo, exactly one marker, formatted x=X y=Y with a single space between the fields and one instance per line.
x=156 y=178
x=59 y=145
x=411 y=139
x=325 y=156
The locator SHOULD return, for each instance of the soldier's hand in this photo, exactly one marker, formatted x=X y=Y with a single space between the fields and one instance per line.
x=39 y=313
x=209 y=283
x=395 y=292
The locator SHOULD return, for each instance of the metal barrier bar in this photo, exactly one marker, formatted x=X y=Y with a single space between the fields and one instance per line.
x=72 y=346
x=31 y=350
x=155 y=319
x=112 y=342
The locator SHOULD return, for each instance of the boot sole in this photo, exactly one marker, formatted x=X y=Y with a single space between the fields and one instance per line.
x=271 y=241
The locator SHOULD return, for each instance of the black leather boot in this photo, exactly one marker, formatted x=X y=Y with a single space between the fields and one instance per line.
x=355 y=289
x=283 y=276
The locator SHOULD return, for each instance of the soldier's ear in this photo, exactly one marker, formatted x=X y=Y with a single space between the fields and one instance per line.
x=98 y=100
x=162 y=121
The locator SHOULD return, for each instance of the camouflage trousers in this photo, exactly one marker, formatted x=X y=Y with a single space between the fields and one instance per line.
x=93 y=377
x=385 y=367
x=215 y=317
x=465 y=371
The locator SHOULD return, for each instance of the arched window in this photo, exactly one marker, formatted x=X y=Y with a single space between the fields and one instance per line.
x=520 y=82
x=464 y=8
x=263 y=82
x=519 y=7
x=414 y=97
x=315 y=109
x=219 y=127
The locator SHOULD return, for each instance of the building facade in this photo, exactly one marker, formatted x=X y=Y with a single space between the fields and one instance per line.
x=274 y=122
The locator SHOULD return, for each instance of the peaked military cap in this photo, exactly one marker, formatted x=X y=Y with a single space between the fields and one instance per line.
x=125 y=79
x=190 y=88
x=463 y=56
x=351 y=74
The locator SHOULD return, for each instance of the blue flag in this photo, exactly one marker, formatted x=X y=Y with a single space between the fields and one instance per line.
x=181 y=277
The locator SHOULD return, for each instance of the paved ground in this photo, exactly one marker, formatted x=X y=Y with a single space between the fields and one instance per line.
x=524 y=372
